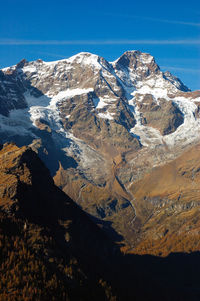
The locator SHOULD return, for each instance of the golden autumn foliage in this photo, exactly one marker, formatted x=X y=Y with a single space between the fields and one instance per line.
x=24 y=274
x=38 y=272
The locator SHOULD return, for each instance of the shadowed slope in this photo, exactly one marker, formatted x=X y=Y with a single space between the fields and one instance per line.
x=51 y=250
x=43 y=227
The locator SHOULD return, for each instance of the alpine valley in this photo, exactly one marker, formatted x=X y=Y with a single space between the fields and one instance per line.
x=122 y=140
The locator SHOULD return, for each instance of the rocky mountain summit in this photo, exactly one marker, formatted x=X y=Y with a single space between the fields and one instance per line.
x=100 y=127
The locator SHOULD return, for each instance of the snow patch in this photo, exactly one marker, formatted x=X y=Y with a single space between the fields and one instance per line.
x=190 y=129
x=196 y=99
x=70 y=93
x=45 y=107
x=156 y=92
x=29 y=68
x=147 y=135
x=102 y=102
x=145 y=58
x=106 y=115
x=85 y=58
x=188 y=132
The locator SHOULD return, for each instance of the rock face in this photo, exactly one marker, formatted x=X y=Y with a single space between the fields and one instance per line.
x=164 y=116
x=99 y=126
x=11 y=94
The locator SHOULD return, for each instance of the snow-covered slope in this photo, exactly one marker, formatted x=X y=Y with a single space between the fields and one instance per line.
x=32 y=92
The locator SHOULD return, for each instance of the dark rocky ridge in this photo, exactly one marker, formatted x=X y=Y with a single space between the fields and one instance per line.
x=11 y=93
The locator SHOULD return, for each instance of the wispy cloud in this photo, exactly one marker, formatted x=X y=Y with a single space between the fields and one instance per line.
x=100 y=42
x=181 y=69
x=180 y=60
x=54 y=55
x=178 y=22
x=173 y=22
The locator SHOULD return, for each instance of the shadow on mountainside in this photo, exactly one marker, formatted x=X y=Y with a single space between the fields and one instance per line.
x=107 y=227
x=175 y=277
x=132 y=277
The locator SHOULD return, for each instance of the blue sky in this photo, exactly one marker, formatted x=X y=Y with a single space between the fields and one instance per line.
x=52 y=30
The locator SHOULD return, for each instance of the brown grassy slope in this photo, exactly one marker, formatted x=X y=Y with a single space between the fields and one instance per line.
x=167 y=202
x=109 y=203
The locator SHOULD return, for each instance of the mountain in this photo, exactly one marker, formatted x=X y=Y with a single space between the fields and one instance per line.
x=47 y=242
x=51 y=250
x=102 y=127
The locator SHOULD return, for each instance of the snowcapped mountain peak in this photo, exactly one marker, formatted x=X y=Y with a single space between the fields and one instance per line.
x=82 y=58
x=135 y=67
x=134 y=59
x=131 y=92
x=140 y=70
x=85 y=58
